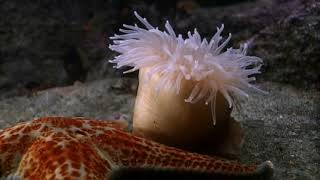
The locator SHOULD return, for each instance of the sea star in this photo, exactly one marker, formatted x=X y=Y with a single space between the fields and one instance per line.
x=79 y=148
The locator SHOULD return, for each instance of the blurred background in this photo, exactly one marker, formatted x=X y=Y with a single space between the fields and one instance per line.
x=47 y=43
x=54 y=62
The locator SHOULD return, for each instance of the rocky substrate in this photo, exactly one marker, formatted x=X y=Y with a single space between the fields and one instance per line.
x=282 y=126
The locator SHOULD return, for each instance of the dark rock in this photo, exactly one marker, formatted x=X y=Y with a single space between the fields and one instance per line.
x=284 y=33
x=49 y=41
x=291 y=48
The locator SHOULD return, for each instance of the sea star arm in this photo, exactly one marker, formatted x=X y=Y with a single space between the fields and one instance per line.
x=128 y=151
x=78 y=148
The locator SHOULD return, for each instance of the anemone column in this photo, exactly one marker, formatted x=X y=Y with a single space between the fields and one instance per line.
x=187 y=87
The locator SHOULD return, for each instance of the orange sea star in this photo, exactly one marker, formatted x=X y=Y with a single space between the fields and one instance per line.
x=79 y=148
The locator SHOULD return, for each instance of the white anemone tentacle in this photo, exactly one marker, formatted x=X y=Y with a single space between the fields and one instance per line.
x=193 y=59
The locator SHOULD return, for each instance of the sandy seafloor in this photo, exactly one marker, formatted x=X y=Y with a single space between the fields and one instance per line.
x=283 y=126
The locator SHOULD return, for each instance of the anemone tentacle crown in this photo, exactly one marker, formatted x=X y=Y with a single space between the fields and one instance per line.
x=193 y=58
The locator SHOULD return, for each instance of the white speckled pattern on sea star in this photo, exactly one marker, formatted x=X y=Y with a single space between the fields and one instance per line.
x=79 y=148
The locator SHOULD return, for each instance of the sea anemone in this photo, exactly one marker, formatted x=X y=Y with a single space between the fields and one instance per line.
x=190 y=69
x=194 y=59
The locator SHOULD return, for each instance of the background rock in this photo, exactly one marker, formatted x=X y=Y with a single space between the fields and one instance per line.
x=285 y=33
x=55 y=43
x=50 y=42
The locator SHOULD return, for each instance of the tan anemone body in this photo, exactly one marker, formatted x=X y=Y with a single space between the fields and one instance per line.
x=184 y=74
x=165 y=117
